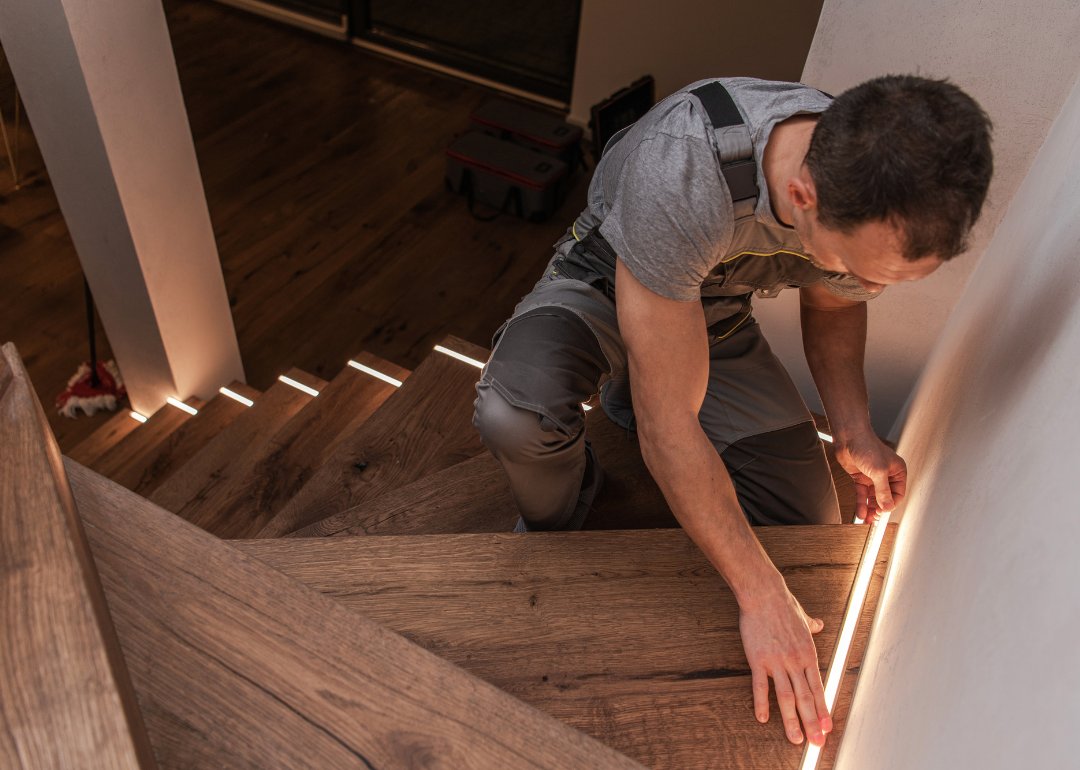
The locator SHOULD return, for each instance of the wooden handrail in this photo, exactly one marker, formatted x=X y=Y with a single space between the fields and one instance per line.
x=66 y=699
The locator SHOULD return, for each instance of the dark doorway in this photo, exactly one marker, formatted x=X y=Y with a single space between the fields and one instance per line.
x=527 y=45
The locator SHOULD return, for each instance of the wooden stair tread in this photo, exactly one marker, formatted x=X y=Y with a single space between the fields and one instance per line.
x=104 y=438
x=143 y=439
x=422 y=428
x=66 y=699
x=267 y=477
x=474 y=496
x=214 y=464
x=148 y=471
x=630 y=636
x=236 y=664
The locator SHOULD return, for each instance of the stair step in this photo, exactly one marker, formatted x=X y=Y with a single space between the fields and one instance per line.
x=147 y=472
x=104 y=438
x=67 y=697
x=631 y=637
x=424 y=427
x=143 y=439
x=473 y=496
x=268 y=476
x=236 y=664
x=214 y=465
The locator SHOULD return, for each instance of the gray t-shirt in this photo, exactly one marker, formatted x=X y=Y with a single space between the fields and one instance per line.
x=663 y=204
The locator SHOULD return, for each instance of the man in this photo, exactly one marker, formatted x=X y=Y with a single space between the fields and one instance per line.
x=724 y=189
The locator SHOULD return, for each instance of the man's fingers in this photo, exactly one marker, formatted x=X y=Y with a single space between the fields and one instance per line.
x=761 y=694
x=813 y=676
x=882 y=490
x=807 y=708
x=861 y=492
x=788 y=707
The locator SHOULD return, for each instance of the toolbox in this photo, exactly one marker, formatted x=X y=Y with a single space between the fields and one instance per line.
x=505 y=175
x=530 y=128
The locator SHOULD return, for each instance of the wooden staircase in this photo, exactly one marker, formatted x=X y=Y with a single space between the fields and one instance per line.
x=264 y=626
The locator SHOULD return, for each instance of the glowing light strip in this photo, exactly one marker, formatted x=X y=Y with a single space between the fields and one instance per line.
x=847 y=630
x=824 y=436
x=182 y=406
x=459 y=357
x=298 y=385
x=373 y=373
x=138 y=417
x=586 y=407
x=236 y=396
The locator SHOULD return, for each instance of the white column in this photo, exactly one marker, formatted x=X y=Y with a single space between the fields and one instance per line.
x=100 y=86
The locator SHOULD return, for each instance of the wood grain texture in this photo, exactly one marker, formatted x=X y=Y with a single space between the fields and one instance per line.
x=118 y=425
x=474 y=496
x=136 y=445
x=233 y=449
x=422 y=428
x=237 y=665
x=632 y=636
x=66 y=700
x=147 y=472
x=269 y=475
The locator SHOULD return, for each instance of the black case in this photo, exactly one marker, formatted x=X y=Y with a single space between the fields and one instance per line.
x=530 y=128
x=506 y=176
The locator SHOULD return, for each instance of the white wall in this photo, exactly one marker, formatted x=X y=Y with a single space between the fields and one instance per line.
x=100 y=85
x=680 y=41
x=1019 y=59
x=974 y=661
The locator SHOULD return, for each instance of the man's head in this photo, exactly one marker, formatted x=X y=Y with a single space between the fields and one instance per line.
x=900 y=163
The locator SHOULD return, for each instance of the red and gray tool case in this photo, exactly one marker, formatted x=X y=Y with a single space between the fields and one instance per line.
x=506 y=175
x=530 y=128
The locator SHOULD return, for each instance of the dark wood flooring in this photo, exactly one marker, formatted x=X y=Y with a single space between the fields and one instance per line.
x=323 y=169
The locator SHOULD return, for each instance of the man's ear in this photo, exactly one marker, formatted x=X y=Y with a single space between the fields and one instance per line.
x=801 y=191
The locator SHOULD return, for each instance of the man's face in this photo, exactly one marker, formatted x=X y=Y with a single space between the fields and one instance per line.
x=871 y=253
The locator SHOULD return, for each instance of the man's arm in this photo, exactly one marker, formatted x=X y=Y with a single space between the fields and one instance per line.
x=667 y=345
x=834 y=339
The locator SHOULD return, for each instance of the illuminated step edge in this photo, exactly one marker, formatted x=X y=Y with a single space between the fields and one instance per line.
x=182 y=406
x=138 y=416
x=298 y=385
x=856 y=600
x=459 y=357
x=236 y=396
x=380 y=375
x=824 y=436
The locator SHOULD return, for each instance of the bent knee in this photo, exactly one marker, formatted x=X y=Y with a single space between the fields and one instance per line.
x=511 y=433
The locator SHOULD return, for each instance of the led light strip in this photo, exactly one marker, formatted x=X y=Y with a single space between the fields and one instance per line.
x=138 y=417
x=182 y=406
x=824 y=436
x=373 y=373
x=298 y=385
x=847 y=630
x=459 y=357
x=236 y=396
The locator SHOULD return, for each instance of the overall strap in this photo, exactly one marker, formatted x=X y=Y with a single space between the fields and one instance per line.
x=737 y=162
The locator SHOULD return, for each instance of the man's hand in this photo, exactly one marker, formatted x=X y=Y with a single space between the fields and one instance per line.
x=778 y=643
x=880 y=474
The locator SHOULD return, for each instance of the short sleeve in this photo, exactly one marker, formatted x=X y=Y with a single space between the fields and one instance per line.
x=847 y=287
x=670 y=217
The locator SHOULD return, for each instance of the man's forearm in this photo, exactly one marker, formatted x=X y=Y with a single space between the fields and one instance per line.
x=698 y=488
x=834 y=340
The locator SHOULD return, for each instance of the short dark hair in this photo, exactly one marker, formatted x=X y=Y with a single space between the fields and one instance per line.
x=908 y=150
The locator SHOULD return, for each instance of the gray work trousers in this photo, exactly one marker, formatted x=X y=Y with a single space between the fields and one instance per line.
x=563 y=342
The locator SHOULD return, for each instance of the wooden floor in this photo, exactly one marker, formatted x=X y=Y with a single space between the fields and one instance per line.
x=323 y=169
